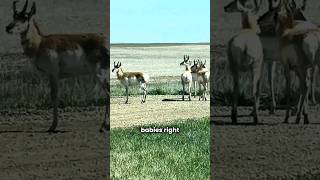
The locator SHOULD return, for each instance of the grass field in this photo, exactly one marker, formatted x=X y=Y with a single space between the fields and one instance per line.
x=183 y=155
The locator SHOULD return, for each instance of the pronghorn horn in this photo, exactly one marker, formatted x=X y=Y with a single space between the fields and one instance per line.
x=241 y=7
x=273 y=4
x=304 y=5
x=25 y=7
x=120 y=64
x=188 y=57
x=14 y=7
x=257 y=4
x=293 y=5
x=114 y=63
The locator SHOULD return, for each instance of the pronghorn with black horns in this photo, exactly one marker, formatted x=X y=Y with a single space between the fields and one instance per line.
x=130 y=78
x=245 y=54
x=62 y=55
x=186 y=77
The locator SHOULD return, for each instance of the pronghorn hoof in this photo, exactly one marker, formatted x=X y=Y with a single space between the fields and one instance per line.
x=51 y=131
x=298 y=120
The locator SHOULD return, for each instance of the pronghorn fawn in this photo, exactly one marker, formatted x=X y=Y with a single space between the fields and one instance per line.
x=203 y=76
x=62 y=55
x=245 y=53
x=186 y=77
x=130 y=78
x=269 y=39
x=299 y=50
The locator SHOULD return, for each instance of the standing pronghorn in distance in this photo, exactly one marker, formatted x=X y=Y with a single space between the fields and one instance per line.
x=129 y=78
x=300 y=52
x=186 y=77
x=245 y=53
x=203 y=75
x=194 y=69
x=62 y=55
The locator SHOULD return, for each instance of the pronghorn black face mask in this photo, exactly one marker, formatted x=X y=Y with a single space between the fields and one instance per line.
x=21 y=19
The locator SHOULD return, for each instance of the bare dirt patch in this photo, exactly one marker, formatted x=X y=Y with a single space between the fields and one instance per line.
x=78 y=151
x=155 y=111
x=268 y=150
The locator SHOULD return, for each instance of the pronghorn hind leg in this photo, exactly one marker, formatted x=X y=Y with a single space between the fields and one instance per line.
x=255 y=92
x=313 y=86
x=103 y=79
x=309 y=83
x=54 y=85
x=200 y=91
x=303 y=92
x=287 y=92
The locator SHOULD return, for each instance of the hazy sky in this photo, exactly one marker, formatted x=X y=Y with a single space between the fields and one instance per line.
x=159 y=21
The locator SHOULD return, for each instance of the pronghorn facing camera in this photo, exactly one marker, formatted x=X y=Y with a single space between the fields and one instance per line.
x=194 y=70
x=131 y=78
x=245 y=54
x=186 y=77
x=62 y=55
x=203 y=75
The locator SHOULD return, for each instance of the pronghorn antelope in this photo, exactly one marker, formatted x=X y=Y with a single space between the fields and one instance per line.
x=186 y=77
x=245 y=53
x=268 y=37
x=130 y=78
x=62 y=55
x=267 y=24
x=203 y=76
x=299 y=50
x=194 y=69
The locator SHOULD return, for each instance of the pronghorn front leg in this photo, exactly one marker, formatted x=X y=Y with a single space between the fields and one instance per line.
x=200 y=90
x=127 y=94
x=235 y=97
x=144 y=92
x=183 y=89
x=195 y=88
x=271 y=72
x=54 y=85
x=189 y=90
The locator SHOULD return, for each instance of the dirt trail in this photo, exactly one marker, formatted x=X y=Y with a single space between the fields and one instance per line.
x=155 y=110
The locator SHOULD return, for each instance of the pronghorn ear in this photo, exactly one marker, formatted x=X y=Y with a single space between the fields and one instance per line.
x=33 y=10
x=241 y=7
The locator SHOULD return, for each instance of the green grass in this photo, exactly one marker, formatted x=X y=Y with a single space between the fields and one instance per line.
x=156 y=88
x=33 y=92
x=183 y=155
x=222 y=86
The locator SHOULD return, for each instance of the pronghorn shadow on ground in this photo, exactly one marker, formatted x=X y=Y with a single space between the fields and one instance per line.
x=173 y=99
x=36 y=132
